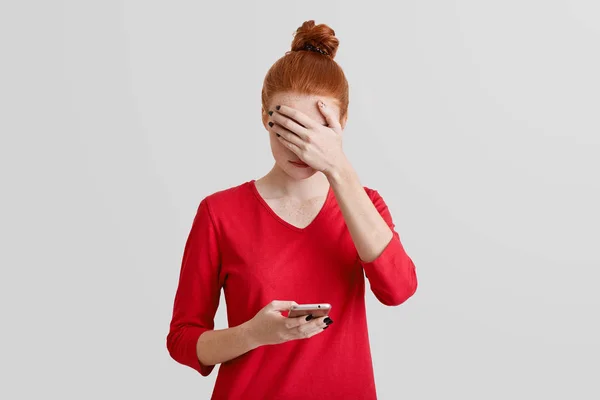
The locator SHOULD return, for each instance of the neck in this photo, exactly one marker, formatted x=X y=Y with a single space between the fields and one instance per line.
x=281 y=184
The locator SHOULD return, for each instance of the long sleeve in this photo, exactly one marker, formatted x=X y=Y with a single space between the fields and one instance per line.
x=392 y=275
x=198 y=292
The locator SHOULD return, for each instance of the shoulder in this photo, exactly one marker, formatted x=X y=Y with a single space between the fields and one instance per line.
x=227 y=194
x=221 y=201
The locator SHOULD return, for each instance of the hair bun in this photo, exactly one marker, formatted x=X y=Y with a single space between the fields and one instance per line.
x=321 y=36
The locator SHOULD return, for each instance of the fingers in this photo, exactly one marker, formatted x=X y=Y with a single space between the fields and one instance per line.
x=289 y=125
x=294 y=322
x=296 y=115
x=306 y=329
x=288 y=135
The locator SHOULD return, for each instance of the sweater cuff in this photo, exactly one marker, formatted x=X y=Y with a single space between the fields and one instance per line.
x=189 y=353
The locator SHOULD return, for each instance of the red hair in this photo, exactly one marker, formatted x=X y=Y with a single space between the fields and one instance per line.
x=309 y=72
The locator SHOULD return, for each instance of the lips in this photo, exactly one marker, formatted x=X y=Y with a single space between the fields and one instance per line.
x=299 y=163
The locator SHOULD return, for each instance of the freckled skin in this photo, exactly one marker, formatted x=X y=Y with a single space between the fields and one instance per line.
x=297 y=213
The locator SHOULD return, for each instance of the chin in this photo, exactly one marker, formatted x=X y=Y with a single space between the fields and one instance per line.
x=299 y=173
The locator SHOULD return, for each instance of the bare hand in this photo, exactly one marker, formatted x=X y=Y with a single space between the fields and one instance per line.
x=268 y=326
x=318 y=146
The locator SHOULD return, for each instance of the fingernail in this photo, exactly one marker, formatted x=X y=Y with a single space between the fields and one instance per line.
x=271 y=123
x=328 y=321
x=278 y=107
x=308 y=317
x=326 y=327
x=278 y=135
x=270 y=112
x=321 y=104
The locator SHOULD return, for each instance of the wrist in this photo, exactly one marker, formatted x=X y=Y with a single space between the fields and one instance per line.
x=248 y=336
x=340 y=172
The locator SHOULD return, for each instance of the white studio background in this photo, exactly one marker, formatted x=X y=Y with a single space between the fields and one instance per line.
x=478 y=121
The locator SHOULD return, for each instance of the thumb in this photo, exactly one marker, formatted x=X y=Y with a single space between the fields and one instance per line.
x=329 y=115
x=281 y=305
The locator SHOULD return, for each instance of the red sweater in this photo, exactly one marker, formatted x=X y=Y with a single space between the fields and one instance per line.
x=237 y=243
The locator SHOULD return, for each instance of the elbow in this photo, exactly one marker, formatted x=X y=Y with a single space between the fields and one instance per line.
x=173 y=344
x=397 y=298
x=182 y=338
x=404 y=291
x=182 y=345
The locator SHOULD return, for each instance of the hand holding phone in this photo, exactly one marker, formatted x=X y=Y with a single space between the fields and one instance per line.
x=269 y=326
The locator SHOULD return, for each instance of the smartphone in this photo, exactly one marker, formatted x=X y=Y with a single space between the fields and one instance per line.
x=317 y=310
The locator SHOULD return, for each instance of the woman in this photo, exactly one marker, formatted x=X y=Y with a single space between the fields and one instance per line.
x=303 y=233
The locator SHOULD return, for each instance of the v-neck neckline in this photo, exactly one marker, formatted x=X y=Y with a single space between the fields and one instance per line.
x=252 y=184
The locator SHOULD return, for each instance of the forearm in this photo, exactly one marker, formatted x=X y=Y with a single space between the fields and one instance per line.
x=218 y=346
x=369 y=231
